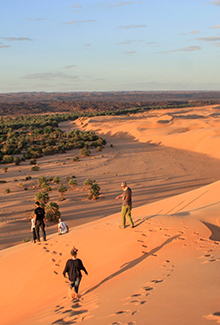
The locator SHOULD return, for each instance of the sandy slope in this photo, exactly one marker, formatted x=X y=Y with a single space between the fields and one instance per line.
x=164 y=271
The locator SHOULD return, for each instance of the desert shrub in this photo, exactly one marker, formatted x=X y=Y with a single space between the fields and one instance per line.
x=42 y=197
x=50 y=178
x=8 y=159
x=52 y=211
x=3 y=182
x=20 y=184
x=85 y=152
x=94 y=191
x=7 y=190
x=25 y=188
x=111 y=145
x=4 y=169
x=72 y=182
x=33 y=161
x=27 y=239
x=45 y=186
x=56 y=180
x=41 y=180
x=99 y=148
x=76 y=158
x=88 y=183
x=35 y=168
x=61 y=190
x=17 y=160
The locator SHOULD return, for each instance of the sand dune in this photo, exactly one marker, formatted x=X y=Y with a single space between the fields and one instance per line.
x=164 y=271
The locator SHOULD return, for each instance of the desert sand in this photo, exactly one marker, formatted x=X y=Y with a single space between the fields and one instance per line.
x=165 y=270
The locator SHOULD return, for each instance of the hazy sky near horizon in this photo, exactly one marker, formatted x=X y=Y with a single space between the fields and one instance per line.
x=68 y=45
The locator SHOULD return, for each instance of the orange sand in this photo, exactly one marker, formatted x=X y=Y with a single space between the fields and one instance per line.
x=164 y=271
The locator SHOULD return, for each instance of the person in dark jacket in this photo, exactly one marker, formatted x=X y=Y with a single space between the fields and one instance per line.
x=73 y=268
x=39 y=221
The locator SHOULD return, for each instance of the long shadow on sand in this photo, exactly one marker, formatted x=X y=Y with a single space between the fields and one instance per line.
x=131 y=264
x=214 y=229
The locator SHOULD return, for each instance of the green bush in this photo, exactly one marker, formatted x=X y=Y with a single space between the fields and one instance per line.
x=33 y=161
x=88 y=182
x=72 y=182
x=56 y=180
x=76 y=158
x=35 y=168
x=7 y=190
x=94 y=191
x=85 y=152
x=8 y=159
x=17 y=161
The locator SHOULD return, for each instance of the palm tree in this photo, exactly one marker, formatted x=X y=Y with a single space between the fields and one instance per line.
x=52 y=211
x=42 y=197
x=61 y=190
x=72 y=182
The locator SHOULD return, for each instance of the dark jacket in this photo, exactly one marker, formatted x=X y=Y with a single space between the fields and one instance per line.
x=73 y=268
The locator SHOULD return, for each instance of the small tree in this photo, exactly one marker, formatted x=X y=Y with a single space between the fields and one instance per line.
x=94 y=191
x=61 y=190
x=42 y=197
x=52 y=211
x=72 y=183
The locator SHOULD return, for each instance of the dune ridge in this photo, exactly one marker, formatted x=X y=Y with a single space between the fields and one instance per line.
x=164 y=271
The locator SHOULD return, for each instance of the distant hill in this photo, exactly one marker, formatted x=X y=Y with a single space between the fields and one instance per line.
x=41 y=102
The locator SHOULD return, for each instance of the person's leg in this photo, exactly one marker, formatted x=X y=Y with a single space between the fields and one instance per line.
x=34 y=235
x=129 y=215
x=123 y=214
x=43 y=230
x=37 y=231
x=76 y=285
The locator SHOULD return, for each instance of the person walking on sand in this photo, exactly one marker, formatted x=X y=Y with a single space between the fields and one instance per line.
x=62 y=227
x=73 y=269
x=40 y=218
x=126 y=205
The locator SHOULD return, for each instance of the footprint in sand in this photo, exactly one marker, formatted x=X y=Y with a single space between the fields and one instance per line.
x=157 y=281
x=138 y=302
x=148 y=288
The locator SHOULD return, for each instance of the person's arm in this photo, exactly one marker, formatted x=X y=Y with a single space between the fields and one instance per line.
x=67 y=228
x=58 y=226
x=82 y=267
x=117 y=197
x=65 y=270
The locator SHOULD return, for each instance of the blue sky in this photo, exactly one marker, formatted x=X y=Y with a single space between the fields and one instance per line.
x=63 y=45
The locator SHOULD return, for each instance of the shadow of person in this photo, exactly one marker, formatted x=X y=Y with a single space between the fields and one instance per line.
x=132 y=263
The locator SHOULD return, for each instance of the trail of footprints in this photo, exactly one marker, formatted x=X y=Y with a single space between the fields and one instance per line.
x=139 y=298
